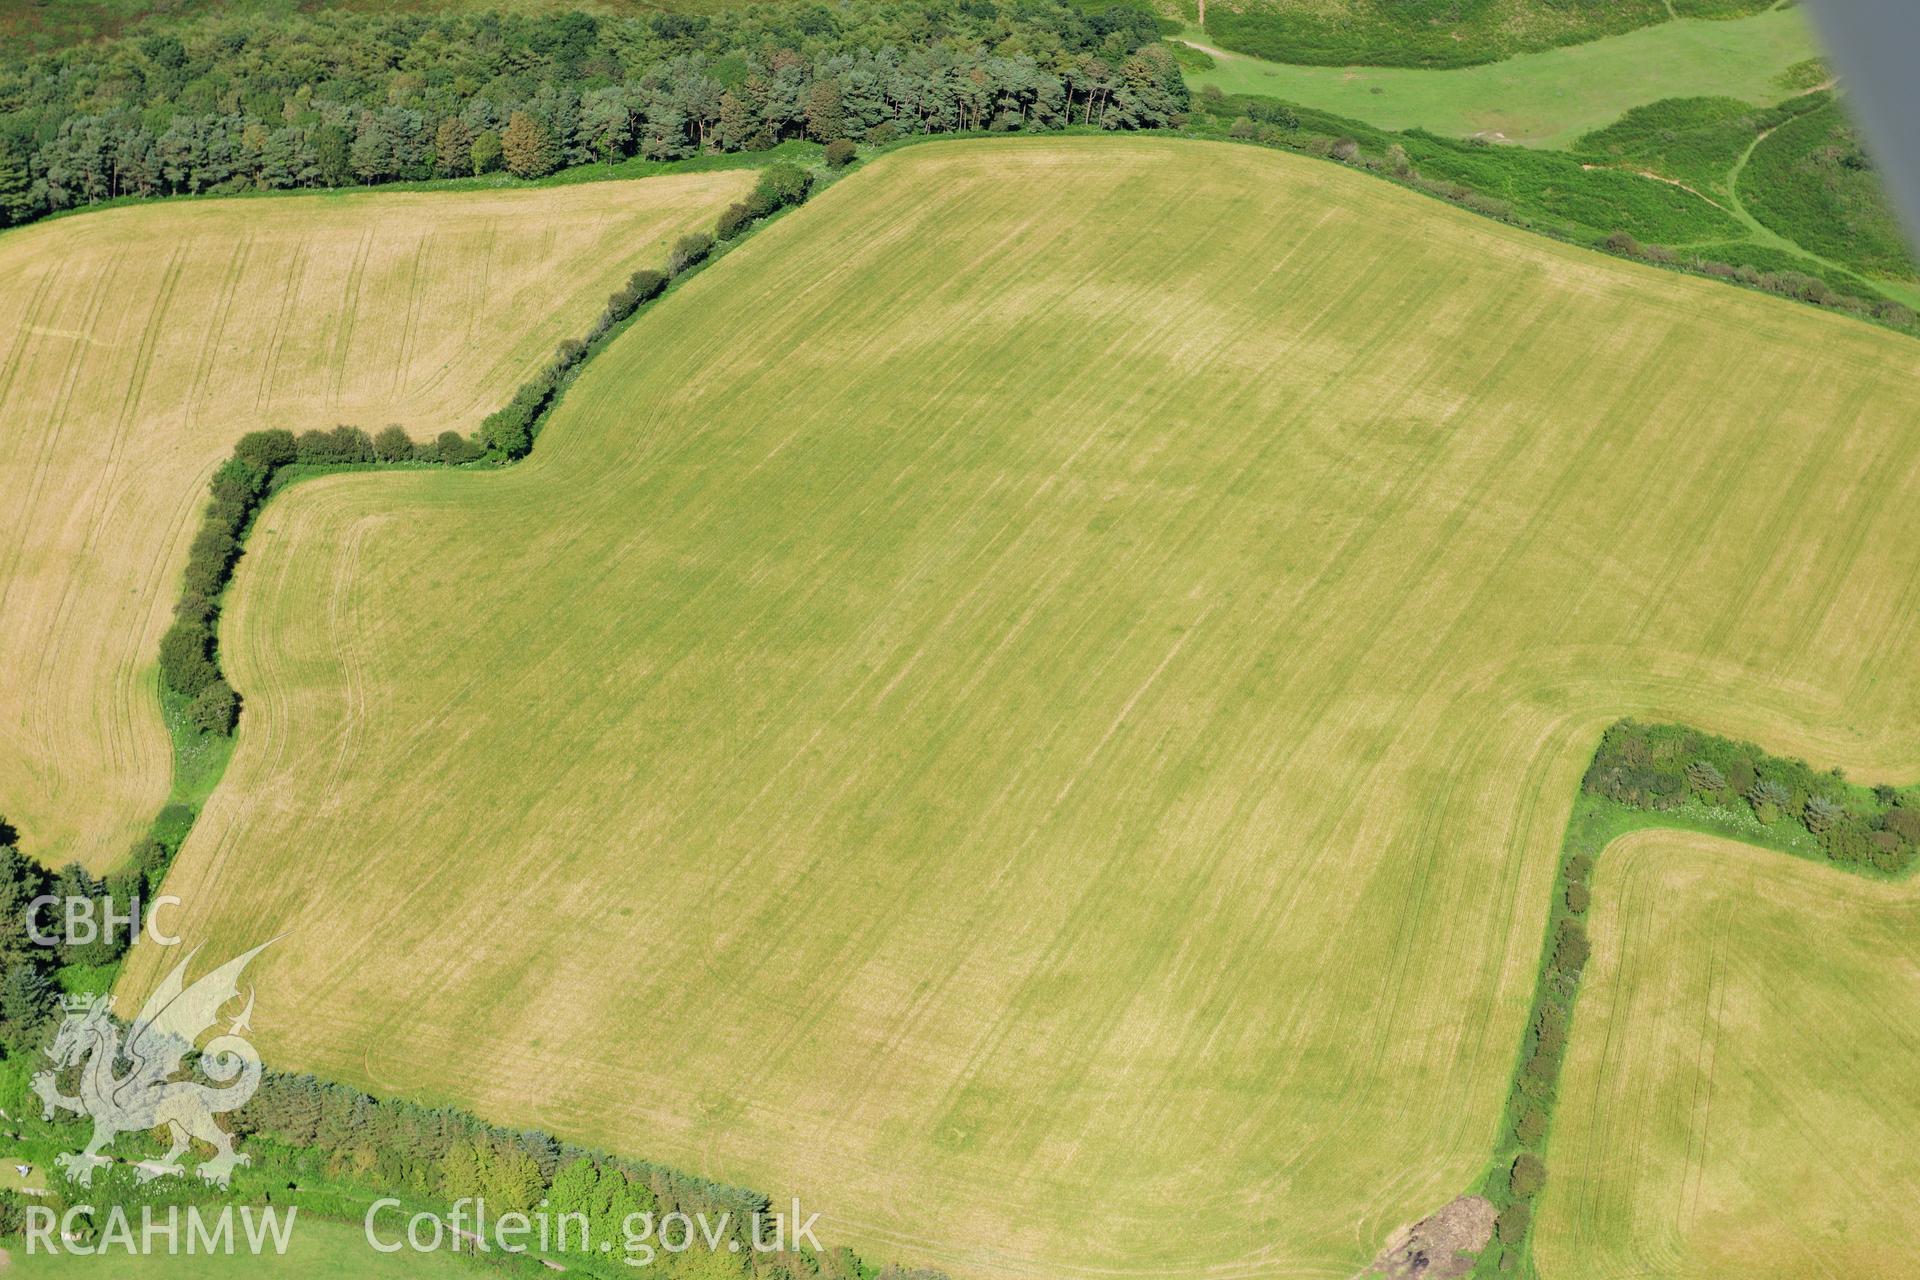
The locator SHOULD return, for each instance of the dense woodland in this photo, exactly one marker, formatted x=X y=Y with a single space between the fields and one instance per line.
x=337 y=98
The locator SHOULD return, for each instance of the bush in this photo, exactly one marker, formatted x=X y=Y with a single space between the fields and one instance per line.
x=780 y=185
x=1848 y=843
x=226 y=512
x=841 y=153
x=1531 y=1127
x=240 y=480
x=193 y=607
x=1269 y=111
x=1819 y=813
x=1622 y=243
x=215 y=709
x=393 y=444
x=1513 y=1222
x=621 y=303
x=209 y=559
x=1768 y=798
x=689 y=251
x=1579 y=898
x=266 y=449
x=881 y=134
x=508 y=430
x=1570 y=947
x=1703 y=775
x=1905 y=823
x=150 y=858
x=452 y=449
x=733 y=220
x=1528 y=1175
x=184 y=660
x=1580 y=867
x=646 y=285
x=1550 y=1029
x=341 y=445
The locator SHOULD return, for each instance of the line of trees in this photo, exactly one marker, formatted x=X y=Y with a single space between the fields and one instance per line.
x=1663 y=767
x=336 y=98
x=1543 y=1050
x=434 y=1153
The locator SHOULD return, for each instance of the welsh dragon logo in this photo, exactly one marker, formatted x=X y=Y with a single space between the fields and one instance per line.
x=146 y=1094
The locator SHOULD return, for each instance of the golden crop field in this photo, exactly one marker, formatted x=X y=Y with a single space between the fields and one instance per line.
x=137 y=344
x=1738 y=1099
x=1034 y=703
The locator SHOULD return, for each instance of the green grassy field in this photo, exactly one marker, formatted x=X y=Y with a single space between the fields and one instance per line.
x=1738 y=1091
x=137 y=344
x=1056 y=824
x=1544 y=99
x=1426 y=33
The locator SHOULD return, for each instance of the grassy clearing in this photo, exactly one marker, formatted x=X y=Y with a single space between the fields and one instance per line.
x=1055 y=824
x=1738 y=1087
x=1542 y=99
x=142 y=342
x=1420 y=33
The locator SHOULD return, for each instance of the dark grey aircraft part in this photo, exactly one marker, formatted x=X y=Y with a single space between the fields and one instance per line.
x=1876 y=49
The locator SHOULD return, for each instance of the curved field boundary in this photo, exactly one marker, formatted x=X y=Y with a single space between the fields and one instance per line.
x=1778 y=807
x=265 y=462
x=126 y=374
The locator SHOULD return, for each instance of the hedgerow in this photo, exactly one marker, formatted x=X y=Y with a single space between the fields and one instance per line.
x=436 y=1153
x=1666 y=767
x=1552 y=194
x=1649 y=775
